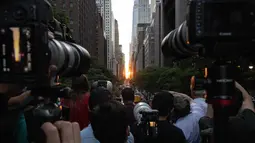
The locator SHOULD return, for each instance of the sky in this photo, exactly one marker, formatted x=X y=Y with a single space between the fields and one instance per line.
x=122 y=10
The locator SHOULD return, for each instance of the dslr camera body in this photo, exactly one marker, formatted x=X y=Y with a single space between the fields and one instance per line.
x=222 y=30
x=35 y=49
x=31 y=40
x=147 y=122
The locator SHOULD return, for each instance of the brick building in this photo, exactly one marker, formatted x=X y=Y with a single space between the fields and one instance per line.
x=82 y=16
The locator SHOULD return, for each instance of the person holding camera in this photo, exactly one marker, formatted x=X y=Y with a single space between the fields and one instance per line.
x=167 y=132
x=62 y=132
x=13 y=124
x=241 y=126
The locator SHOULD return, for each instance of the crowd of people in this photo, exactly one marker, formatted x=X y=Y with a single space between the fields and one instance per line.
x=96 y=116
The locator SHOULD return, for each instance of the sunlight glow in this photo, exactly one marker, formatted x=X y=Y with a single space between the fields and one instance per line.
x=127 y=74
x=127 y=70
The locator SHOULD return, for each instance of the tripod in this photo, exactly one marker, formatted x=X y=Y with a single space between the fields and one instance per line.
x=220 y=87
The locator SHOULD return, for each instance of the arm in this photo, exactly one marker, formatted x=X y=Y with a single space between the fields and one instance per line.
x=247 y=100
x=19 y=99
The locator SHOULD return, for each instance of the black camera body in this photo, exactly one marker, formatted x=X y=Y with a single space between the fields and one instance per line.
x=148 y=123
x=34 y=49
x=221 y=28
x=24 y=38
x=29 y=48
x=214 y=29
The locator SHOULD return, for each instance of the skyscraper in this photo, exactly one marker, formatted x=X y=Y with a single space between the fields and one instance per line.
x=99 y=51
x=82 y=20
x=105 y=9
x=141 y=14
x=153 y=4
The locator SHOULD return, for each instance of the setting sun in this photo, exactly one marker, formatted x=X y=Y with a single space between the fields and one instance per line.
x=127 y=75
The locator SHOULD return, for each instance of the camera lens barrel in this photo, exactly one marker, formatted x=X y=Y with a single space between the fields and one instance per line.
x=176 y=43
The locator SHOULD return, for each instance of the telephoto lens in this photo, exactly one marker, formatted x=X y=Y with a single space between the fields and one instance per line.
x=71 y=59
x=176 y=43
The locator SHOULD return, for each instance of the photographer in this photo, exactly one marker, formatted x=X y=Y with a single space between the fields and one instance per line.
x=163 y=102
x=13 y=123
x=241 y=127
x=62 y=132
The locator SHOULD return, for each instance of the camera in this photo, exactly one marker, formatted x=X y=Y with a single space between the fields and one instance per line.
x=32 y=40
x=147 y=121
x=35 y=48
x=214 y=29
x=102 y=83
x=223 y=31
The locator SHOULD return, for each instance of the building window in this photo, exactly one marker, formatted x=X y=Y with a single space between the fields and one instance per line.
x=71 y=5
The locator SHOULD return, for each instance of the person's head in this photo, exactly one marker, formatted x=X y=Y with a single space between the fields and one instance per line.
x=181 y=106
x=198 y=93
x=128 y=94
x=80 y=83
x=196 y=87
x=164 y=103
x=110 y=124
x=103 y=83
x=99 y=96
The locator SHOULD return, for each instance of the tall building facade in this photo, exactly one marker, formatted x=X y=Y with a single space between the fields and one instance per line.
x=149 y=49
x=118 y=51
x=117 y=42
x=141 y=14
x=114 y=46
x=105 y=9
x=152 y=4
x=121 y=63
x=82 y=20
x=99 y=51
x=140 y=54
x=157 y=35
x=153 y=38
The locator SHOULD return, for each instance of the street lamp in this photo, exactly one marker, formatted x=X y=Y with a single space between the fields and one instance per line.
x=250 y=67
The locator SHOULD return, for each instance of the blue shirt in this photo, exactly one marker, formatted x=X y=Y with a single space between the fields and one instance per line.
x=199 y=107
x=189 y=124
x=87 y=136
x=190 y=127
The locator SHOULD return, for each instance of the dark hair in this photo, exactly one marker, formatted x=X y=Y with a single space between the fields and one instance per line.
x=109 y=122
x=80 y=83
x=163 y=102
x=98 y=96
x=128 y=94
x=80 y=86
